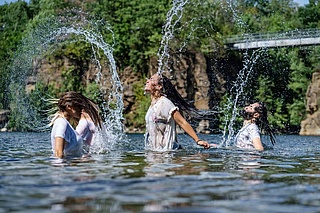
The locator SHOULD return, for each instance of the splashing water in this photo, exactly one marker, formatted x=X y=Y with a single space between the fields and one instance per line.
x=46 y=36
x=239 y=85
x=173 y=17
x=249 y=62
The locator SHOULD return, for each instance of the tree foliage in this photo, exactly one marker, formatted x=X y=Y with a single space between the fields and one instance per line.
x=13 y=20
x=280 y=76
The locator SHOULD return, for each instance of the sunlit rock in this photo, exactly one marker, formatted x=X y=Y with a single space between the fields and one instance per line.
x=311 y=125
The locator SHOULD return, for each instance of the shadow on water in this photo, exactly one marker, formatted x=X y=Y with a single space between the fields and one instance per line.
x=131 y=179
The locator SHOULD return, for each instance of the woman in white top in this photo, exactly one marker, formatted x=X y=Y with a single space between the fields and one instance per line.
x=164 y=113
x=248 y=137
x=65 y=140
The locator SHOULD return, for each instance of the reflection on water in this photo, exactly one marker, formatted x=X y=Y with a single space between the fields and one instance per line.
x=130 y=179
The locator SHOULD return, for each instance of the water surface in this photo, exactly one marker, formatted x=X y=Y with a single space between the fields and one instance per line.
x=130 y=179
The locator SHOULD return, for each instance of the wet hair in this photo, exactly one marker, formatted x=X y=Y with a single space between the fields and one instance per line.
x=77 y=100
x=263 y=122
x=185 y=108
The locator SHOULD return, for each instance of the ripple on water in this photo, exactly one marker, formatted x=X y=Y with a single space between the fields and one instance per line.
x=218 y=175
x=194 y=180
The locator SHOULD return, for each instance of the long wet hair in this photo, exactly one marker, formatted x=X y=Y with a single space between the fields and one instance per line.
x=263 y=122
x=187 y=111
x=76 y=99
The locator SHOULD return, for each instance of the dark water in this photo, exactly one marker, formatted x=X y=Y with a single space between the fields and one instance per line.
x=130 y=179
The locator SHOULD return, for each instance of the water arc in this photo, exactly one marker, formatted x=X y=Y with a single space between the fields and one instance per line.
x=172 y=19
x=47 y=37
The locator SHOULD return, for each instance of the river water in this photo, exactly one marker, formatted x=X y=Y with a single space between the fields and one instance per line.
x=129 y=179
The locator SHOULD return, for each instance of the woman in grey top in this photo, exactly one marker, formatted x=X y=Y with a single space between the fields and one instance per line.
x=255 y=119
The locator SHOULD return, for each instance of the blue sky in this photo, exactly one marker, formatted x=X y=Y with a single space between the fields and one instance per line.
x=8 y=1
x=300 y=2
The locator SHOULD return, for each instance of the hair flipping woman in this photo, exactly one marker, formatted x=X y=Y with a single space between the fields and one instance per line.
x=255 y=119
x=74 y=106
x=166 y=110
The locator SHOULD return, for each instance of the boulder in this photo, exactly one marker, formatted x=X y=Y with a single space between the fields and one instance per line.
x=311 y=125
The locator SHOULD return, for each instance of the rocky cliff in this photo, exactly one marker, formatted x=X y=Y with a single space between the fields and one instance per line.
x=196 y=77
x=311 y=125
x=189 y=75
x=199 y=79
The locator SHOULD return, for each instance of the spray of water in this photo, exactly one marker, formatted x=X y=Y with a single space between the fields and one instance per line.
x=238 y=88
x=173 y=26
x=249 y=62
x=173 y=17
x=47 y=36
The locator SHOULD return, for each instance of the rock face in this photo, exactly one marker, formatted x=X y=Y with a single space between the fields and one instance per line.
x=128 y=77
x=192 y=82
x=311 y=125
x=198 y=79
x=4 y=118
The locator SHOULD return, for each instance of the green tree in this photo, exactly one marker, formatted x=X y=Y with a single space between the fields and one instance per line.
x=13 y=20
x=136 y=26
x=277 y=115
x=268 y=16
x=310 y=14
x=142 y=102
x=299 y=81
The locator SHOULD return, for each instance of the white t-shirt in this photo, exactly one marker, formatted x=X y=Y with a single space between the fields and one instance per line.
x=160 y=126
x=245 y=136
x=86 y=130
x=73 y=141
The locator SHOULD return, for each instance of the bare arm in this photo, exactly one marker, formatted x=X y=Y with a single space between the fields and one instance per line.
x=83 y=124
x=86 y=116
x=58 y=147
x=188 y=129
x=257 y=144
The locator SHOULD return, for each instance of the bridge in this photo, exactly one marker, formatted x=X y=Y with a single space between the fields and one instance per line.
x=303 y=37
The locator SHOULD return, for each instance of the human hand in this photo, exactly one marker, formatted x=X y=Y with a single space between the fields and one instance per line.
x=84 y=115
x=205 y=144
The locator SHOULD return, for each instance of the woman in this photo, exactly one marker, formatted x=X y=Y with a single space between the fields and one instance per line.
x=255 y=116
x=73 y=106
x=164 y=113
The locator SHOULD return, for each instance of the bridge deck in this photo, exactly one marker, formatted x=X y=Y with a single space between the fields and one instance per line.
x=277 y=39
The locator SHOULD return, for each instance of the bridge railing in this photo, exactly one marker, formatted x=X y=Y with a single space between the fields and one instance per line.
x=293 y=34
